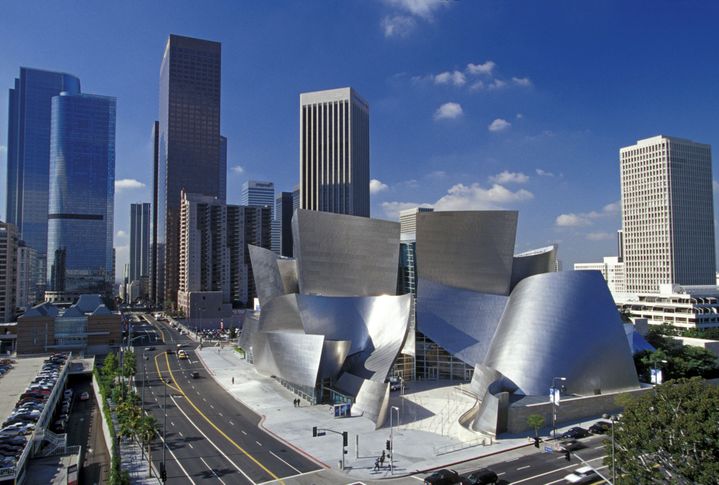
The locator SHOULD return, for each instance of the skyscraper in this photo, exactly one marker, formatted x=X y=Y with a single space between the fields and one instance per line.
x=82 y=189
x=139 y=241
x=8 y=264
x=667 y=214
x=283 y=216
x=28 y=151
x=334 y=152
x=259 y=194
x=223 y=169
x=189 y=143
x=157 y=272
x=246 y=225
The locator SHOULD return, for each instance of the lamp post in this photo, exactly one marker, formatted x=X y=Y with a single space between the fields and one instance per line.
x=614 y=464
x=655 y=375
x=391 y=438
x=555 y=404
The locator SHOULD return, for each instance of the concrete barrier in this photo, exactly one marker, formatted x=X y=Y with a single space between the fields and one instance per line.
x=105 y=428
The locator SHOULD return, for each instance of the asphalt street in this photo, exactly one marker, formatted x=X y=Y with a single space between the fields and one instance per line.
x=210 y=436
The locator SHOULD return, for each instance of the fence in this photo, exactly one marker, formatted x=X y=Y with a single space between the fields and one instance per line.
x=483 y=441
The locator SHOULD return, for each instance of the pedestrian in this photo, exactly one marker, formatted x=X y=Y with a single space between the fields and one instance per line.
x=298 y=402
x=233 y=381
x=381 y=459
x=376 y=464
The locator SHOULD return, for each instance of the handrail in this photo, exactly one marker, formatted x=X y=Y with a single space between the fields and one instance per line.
x=443 y=450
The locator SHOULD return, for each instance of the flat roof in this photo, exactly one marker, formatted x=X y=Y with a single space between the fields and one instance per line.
x=14 y=382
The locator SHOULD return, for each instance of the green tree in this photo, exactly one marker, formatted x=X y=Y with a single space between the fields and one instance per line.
x=669 y=436
x=110 y=365
x=233 y=333
x=128 y=364
x=535 y=421
x=147 y=429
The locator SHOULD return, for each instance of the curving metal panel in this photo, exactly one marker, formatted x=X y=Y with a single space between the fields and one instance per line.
x=471 y=250
x=288 y=272
x=537 y=261
x=294 y=356
x=342 y=255
x=372 y=397
x=462 y=322
x=266 y=272
x=334 y=353
x=563 y=325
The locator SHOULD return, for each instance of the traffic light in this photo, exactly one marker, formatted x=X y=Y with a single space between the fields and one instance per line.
x=314 y=431
x=388 y=445
x=163 y=473
x=344 y=438
x=567 y=456
x=536 y=441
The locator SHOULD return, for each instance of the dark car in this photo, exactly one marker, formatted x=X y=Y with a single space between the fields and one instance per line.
x=575 y=433
x=600 y=427
x=480 y=477
x=195 y=374
x=570 y=445
x=442 y=477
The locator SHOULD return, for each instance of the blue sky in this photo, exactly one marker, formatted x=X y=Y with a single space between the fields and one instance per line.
x=475 y=104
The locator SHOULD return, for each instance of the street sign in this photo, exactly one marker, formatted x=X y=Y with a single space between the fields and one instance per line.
x=548 y=449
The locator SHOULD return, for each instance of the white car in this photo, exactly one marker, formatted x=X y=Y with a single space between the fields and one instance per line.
x=585 y=474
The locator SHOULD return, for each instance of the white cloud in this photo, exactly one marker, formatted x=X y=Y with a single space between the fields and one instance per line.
x=392 y=209
x=497 y=84
x=520 y=116
x=375 y=186
x=448 y=111
x=477 y=86
x=522 y=81
x=238 y=169
x=128 y=184
x=544 y=173
x=121 y=234
x=587 y=218
x=476 y=197
x=397 y=25
x=499 y=125
x=485 y=68
x=418 y=8
x=455 y=77
x=600 y=236
x=507 y=177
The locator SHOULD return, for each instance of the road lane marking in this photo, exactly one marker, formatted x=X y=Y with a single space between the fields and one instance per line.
x=209 y=421
x=190 y=445
x=258 y=442
x=243 y=431
x=172 y=423
x=231 y=423
x=175 y=457
x=301 y=474
x=524 y=467
x=220 y=414
x=213 y=471
x=180 y=432
x=283 y=461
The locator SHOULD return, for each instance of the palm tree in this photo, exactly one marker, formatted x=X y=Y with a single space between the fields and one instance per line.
x=536 y=421
x=147 y=428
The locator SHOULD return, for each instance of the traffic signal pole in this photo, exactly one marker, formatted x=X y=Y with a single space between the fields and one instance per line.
x=322 y=431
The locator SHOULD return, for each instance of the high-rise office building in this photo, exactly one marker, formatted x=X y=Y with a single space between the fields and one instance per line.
x=223 y=169
x=82 y=190
x=28 y=151
x=28 y=277
x=295 y=198
x=157 y=260
x=334 y=152
x=262 y=194
x=246 y=225
x=189 y=143
x=139 y=241
x=667 y=214
x=8 y=264
x=283 y=216
x=408 y=221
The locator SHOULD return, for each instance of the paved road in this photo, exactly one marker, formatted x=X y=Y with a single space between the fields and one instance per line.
x=211 y=437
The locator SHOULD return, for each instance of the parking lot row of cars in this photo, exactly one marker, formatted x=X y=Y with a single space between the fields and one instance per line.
x=5 y=366
x=30 y=406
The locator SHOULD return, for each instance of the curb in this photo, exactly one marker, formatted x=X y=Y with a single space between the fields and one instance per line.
x=261 y=422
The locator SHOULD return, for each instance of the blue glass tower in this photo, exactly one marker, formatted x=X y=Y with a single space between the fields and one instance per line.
x=82 y=189
x=28 y=155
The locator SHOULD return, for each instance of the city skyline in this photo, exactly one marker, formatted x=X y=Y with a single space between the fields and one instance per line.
x=514 y=113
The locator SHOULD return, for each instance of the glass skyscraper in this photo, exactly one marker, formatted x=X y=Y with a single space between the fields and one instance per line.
x=82 y=189
x=139 y=240
x=28 y=151
x=189 y=143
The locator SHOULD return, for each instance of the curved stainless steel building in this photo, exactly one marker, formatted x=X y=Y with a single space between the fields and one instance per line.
x=537 y=261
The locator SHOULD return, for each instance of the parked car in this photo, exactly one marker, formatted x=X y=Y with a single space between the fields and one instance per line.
x=84 y=396
x=149 y=349
x=585 y=474
x=480 y=477
x=442 y=477
x=395 y=383
x=600 y=427
x=575 y=433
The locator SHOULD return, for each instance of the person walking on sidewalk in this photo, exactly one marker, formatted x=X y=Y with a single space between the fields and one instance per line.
x=233 y=381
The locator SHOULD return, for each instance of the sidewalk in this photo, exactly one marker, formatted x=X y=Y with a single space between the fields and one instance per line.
x=131 y=459
x=415 y=449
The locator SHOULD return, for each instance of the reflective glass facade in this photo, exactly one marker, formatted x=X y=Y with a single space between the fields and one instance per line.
x=82 y=175
x=189 y=142
x=139 y=240
x=28 y=156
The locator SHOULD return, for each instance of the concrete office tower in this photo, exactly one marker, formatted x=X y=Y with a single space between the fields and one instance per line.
x=28 y=151
x=295 y=198
x=408 y=221
x=667 y=214
x=8 y=264
x=204 y=258
x=156 y=270
x=139 y=241
x=82 y=191
x=262 y=194
x=223 y=169
x=245 y=225
x=28 y=277
x=283 y=216
x=189 y=142
x=334 y=152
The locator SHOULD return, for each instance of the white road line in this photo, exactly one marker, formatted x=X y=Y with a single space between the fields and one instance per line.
x=501 y=473
x=524 y=467
x=243 y=431
x=232 y=423
x=213 y=471
x=212 y=442
x=190 y=445
x=258 y=442
x=598 y=447
x=220 y=414
x=204 y=399
x=310 y=473
x=180 y=433
x=172 y=423
x=175 y=457
x=283 y=461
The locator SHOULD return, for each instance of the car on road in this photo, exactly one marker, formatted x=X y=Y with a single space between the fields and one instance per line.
x=442 y=477
x=575 y=433
x=84 y=396
x=600 y=427
x=195 y=374
x=179 y=346
x=182 y=355
x=570 y=445
x=149 y=349
x=585 y=474
x=480 y=477
x=395 y=383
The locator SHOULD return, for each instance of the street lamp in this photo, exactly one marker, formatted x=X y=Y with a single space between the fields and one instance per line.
x=391 y=438
x=614 y=464
x=655 y=375
x=555 y=403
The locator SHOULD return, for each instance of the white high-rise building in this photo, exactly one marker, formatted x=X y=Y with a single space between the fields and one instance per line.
x=667 y=214
x=408 y=221
x=334 y=152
